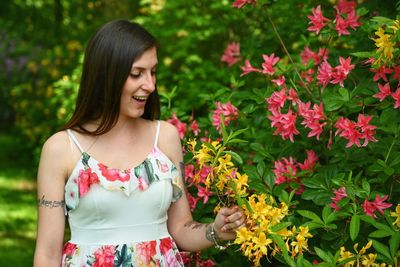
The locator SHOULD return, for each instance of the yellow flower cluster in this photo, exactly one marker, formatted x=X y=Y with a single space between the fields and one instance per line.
x=396 y=214
x=385 y=42
x=359 y=258
x=223 y=175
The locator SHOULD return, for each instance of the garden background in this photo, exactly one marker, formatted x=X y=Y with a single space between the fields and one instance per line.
x=302 y=96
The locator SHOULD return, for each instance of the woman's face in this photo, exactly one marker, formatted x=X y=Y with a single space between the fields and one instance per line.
x=140 y=84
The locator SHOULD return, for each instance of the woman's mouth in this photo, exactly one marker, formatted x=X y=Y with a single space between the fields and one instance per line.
x=140 y=98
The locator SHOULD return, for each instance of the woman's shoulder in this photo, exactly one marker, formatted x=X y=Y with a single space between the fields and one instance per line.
x=168 y=130
x=57 y=144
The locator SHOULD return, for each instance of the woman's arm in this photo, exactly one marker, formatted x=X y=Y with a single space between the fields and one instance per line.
x=188 y=234
x=51 y=178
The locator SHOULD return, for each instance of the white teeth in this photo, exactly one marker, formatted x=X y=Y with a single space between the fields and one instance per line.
x=140 y=98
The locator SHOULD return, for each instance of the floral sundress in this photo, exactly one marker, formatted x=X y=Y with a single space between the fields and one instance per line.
x=119 y=217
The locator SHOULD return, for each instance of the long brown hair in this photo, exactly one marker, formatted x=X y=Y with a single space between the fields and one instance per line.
x=107 y=63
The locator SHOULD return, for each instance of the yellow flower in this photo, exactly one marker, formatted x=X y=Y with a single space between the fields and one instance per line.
x=241 y=183
x=384 y=43
x=344 y=255
x=243 y=235
x=261 y=242
x=364 y=248
x=368 y=260
x=397 y=215
x=192 y=145
x=396 y=26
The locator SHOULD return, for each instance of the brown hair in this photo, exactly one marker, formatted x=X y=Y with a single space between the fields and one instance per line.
x=108 y=60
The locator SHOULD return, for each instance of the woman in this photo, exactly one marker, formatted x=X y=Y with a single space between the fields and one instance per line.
x=113 y=168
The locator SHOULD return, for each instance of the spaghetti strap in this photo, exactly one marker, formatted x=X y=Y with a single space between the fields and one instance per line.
x=72 y=136
x=157 y=134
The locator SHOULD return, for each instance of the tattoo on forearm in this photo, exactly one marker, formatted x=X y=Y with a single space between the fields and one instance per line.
x=209 y=231
x=182 y=168
x=194 y=225
x=42 y=202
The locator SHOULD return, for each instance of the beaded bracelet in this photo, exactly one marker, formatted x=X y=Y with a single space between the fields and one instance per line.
x=214 y=237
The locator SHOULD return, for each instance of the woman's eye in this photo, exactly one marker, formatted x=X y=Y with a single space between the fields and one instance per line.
x=135 y=74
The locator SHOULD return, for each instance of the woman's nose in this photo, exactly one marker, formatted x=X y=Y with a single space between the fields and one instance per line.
x=149 y=82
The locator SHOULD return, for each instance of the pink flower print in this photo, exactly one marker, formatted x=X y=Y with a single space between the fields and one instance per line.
x=171 y=260
x=114 y=174
x=69 y=249
x=231 y=54
x=165 y=245
x=162 y=166
x=247 y=68
x=384 y=91
x=241 y=3
x=142 y=184
x=85 y=179
x=180 y=126
x=317 y=20
x=269 y=62
x=145 y=251
x=104 y=257
x=396 y=97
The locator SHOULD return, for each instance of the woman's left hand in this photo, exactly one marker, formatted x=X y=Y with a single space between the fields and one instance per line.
x=227 y=221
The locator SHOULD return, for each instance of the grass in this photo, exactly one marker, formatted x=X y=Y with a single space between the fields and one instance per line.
x=17 y=204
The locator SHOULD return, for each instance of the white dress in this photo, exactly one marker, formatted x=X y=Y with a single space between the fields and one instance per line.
x=119 y=217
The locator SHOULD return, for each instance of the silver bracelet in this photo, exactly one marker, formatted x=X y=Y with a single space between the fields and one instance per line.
x=214 y=237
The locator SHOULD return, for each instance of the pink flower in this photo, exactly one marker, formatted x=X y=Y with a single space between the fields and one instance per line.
x=317 y=20
x=310 y=162
x=396 y=97
x=247 y=68
x=165 y=245
x=342 y=70
x=307 y=55
x=208 y=263
x=269 y=62
x=325 y=72
x=231 y=54
x=381 y=73
x=85 y=179
x=396 y=70
x=347 y=129
x=229 y=111
x=384 y=91
x=280 y=81
x=241 y=3
x=285 y=124
x=69 y=249
x=377 y=205
x=204 y=192
x=339 y=194
x=195 y=127
x=341 y=26
x=345 y=7
x=145 y=251
x=350 y=20
x=285 y=170
x=189 y=173
x=277 y=100
x=104 y=257
x=312 y=118
x=180 y=126
x=114 y=174
x=142 y=184
x=367 y=130
x=192 y=201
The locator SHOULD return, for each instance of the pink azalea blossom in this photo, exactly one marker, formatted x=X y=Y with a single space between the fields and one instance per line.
x=325 y=72
x=192 y=201
x=381 y=73
x=247 y=68
x=208 y=263
x=396 y=70
x=384 y=91
x=277 y=100
x=241 y=3
x=231 y=54
x=339 y=194
x=317 y=20
x=285 y=124
x=180 y=126
x=367 y=130
x=312 y=118
x=345 y=7
x=309 y=162
x=204 y=192
x=104 y=257
x=308 y=75
x=269 y=62
x=189 y=173
x=356 y=131
x=377 y=205
x=194 y=126
x=292 y=96
x=396 y=97
x=280 y=81
x=285 y=170
x=229 y=111
x=307 y=55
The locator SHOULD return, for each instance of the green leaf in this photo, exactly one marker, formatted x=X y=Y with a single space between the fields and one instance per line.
x=394 y=244
x=382 y=249
x=379 y=234
x=280 y=226
x=354 y=226
x=325 y=213
x=236 y=157
x=323 y=255
x=366 y=54
x=310 y=215
x=281 y=244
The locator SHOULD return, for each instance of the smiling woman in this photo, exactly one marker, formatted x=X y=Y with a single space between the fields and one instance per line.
x=113 y=168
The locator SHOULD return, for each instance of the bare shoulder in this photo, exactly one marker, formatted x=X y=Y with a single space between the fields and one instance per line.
x=57 y=144
x=169 y=141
